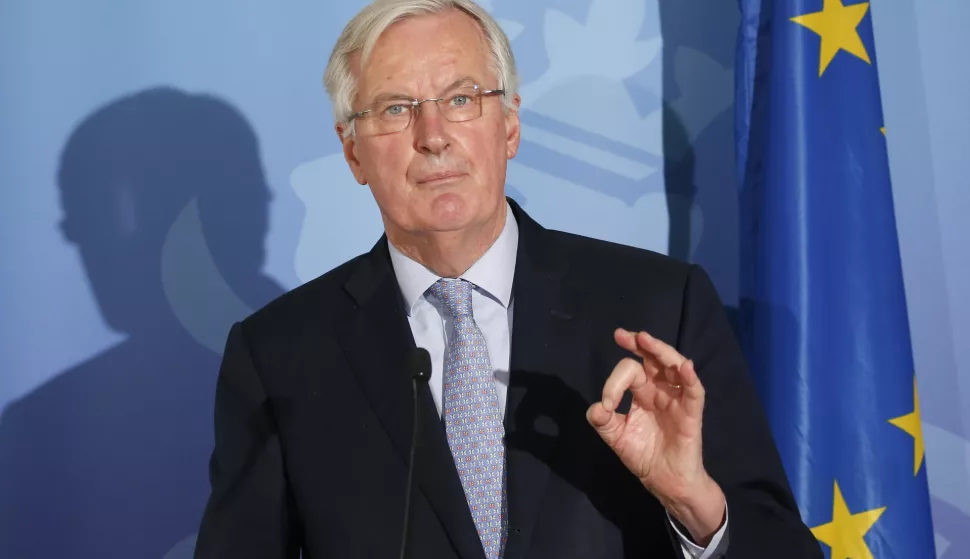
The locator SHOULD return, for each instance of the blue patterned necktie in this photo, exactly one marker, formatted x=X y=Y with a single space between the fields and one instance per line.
x=473 y=420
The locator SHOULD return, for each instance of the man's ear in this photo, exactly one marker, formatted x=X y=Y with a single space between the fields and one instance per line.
x=349 y=144
x=512 y=128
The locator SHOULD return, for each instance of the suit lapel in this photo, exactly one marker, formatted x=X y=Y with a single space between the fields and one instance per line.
x=550 y=355
x=377 y=341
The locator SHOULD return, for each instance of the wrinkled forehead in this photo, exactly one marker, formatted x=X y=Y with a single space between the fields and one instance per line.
x=424 y=55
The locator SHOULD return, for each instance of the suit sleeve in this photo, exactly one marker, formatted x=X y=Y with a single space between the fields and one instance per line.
x=248 y=513
x=739 y=451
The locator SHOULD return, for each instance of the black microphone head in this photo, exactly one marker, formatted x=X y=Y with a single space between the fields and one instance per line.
x=420 y=364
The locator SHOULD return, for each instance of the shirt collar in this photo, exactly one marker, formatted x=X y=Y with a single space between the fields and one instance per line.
x=492 y=273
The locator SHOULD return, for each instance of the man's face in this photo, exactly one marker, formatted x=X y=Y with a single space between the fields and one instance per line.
x=436 y=175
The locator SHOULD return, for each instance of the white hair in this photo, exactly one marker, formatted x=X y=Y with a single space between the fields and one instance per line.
x=361 y=34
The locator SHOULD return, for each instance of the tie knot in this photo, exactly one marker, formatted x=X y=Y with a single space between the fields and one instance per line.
x=455 y=295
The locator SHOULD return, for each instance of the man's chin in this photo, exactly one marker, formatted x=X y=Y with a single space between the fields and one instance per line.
x=450 y=211
x=449 y=225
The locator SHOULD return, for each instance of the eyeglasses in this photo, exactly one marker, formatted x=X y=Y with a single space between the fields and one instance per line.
x=395 y=115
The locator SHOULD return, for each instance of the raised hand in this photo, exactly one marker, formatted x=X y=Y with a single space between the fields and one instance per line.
x=659 y=439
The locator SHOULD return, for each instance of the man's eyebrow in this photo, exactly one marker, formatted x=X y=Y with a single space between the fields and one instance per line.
x=466 y=80
x=389 y=96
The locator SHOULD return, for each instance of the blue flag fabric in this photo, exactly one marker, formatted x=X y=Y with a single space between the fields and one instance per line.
x=824 y=322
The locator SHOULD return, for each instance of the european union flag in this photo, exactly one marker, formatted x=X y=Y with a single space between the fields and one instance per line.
x=824 y=319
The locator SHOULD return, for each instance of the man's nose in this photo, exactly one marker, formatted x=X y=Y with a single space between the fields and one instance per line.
x=430 y=129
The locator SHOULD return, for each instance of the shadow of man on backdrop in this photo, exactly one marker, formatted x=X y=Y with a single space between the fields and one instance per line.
x=165 y=198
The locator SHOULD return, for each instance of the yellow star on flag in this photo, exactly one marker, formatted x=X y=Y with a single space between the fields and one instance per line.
x=836 y=24
x=912 y=425
x=846 y=531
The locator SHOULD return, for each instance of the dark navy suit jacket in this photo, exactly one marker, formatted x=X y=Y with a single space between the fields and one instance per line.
x=313 y=419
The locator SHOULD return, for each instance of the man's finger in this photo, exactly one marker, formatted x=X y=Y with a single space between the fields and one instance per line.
x=682 y=384
x=668 y=356
x=628 y=374
x=608 y=424
x=666 y=393
x=628 y=341
x=672 y=376
x=694 y=392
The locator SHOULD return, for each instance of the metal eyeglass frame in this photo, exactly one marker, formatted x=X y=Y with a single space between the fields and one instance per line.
x=416 y=105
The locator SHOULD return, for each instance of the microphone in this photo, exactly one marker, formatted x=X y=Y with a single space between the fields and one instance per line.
x=419 y=367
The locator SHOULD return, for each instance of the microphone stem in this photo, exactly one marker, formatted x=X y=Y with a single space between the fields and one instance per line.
x=414 y=444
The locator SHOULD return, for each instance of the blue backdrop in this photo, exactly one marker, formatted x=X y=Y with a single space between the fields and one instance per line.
x=165 y=168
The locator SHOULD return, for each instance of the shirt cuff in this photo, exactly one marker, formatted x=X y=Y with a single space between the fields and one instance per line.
x=717 y=547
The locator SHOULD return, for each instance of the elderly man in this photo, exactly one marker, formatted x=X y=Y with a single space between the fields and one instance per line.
x=587 y=399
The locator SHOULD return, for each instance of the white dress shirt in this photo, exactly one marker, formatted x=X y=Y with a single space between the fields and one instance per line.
x=491 y=278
